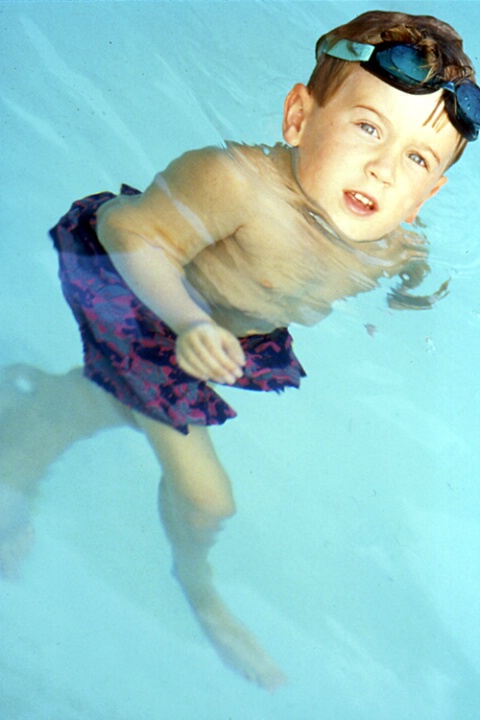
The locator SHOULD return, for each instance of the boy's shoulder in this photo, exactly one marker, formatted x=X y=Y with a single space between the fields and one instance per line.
x=233 y=160
x=221 y=177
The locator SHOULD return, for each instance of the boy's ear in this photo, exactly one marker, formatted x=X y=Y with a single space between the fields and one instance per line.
x=296 y=109
x=440 y=183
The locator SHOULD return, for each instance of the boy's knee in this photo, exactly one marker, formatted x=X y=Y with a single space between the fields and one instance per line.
x=202 y=505
x=210 y=510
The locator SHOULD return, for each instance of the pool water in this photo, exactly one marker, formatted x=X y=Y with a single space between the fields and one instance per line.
x=354 y=553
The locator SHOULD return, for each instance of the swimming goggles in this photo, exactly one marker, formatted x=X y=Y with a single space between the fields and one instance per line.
x=403 y=66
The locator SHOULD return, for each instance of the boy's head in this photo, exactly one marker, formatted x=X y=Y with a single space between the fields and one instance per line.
x=440 y=45
x=373 y=138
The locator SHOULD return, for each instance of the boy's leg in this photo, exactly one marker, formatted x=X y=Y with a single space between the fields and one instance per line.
x=195 y=498
x=41 y=415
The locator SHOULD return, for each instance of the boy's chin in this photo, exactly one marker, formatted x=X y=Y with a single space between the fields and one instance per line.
x=355 y=229
x=358 y=233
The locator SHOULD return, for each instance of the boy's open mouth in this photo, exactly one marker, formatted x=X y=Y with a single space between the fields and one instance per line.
x=360 y=204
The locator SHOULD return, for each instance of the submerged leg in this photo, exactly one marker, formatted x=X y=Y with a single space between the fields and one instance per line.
x=195 y=499
x=41 y=415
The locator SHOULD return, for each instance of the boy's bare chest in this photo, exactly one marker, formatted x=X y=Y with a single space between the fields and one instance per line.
x=282 y=268
x=291 y=255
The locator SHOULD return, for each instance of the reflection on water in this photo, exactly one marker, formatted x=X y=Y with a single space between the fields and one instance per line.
x=354 y=553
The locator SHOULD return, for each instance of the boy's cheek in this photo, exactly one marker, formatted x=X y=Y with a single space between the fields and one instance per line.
x=438 y=185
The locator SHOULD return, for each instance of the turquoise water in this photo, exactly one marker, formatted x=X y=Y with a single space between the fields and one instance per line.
x=354 y=554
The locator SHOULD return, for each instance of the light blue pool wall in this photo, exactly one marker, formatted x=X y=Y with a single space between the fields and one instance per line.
x=354 y=555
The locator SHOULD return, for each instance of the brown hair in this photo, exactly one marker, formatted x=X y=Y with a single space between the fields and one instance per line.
x=442 y=45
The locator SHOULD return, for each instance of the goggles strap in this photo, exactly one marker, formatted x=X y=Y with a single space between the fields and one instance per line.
x=348 y=50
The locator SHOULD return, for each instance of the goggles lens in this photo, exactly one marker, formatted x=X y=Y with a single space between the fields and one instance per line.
x=403 y=66
x=402 y=61
x=467 y=95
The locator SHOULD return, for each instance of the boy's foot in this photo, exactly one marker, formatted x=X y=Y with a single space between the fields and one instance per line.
x=236 y=645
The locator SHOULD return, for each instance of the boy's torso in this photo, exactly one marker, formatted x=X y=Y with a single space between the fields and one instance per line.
x=282 y=265
x=252 y=246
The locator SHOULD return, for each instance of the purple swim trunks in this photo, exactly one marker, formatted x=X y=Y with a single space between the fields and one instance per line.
x=130 y=351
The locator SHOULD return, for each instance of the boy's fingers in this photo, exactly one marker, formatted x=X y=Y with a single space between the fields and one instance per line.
x=223 y=357
x=209 y=355
x=217 y=363
x=234 y=350
x=219 y=349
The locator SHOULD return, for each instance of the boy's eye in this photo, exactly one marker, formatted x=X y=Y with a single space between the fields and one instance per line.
x=369 y=129
x=418 y=159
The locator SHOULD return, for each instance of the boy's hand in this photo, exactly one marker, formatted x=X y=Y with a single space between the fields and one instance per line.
x=209 y=352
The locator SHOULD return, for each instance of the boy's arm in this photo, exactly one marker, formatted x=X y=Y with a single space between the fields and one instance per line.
x=148 y=269
x=197 y=201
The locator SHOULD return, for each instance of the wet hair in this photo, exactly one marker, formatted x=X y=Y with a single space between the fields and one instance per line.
x=441 y=44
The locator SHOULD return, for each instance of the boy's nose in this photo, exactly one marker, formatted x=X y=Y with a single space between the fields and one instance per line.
x=382 y=167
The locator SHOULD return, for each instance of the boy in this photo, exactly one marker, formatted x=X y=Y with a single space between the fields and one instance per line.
x=197 y=279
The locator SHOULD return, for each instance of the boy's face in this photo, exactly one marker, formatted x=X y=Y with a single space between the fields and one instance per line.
x=368 y=157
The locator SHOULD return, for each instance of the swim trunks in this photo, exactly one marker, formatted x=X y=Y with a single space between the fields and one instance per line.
x=130 y=351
